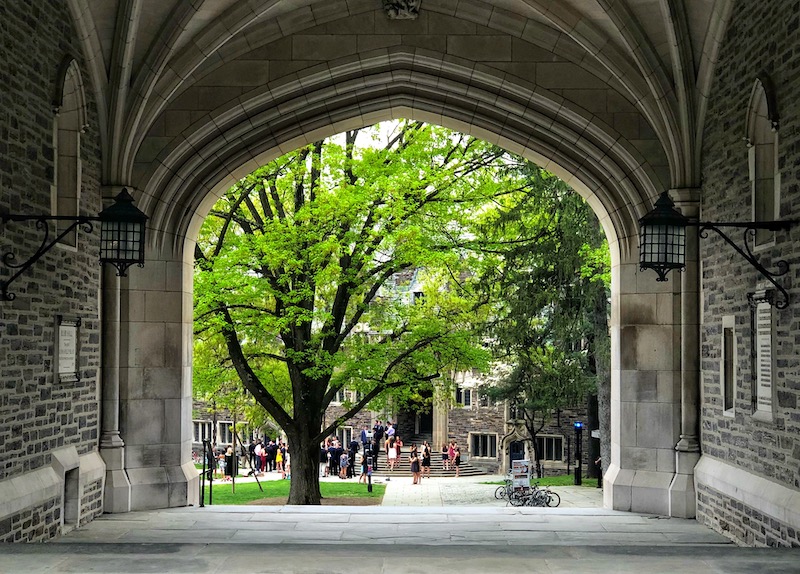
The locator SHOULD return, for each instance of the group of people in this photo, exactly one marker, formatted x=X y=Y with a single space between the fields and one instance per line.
x=340 y=460
x=419 y=458
x=268 y=456
x=336 y=460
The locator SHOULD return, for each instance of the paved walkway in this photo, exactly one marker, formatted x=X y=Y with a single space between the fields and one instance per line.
x=471 y=491
x=397 y=538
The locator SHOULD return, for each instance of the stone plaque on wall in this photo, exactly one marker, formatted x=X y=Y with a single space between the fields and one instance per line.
x=763 y=322
x=67 y=350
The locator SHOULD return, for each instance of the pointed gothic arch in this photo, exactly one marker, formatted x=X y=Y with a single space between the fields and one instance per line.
x=69 y=122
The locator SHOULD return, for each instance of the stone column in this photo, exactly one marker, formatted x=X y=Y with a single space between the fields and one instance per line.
x=117 y=493
x=155 y=382
x=645 y=385
x=687 y=451
x=440 y=418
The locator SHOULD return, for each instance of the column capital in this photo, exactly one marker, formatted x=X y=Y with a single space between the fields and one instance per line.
x=687 y=200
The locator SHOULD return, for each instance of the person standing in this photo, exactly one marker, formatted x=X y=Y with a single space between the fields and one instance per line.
x=378 y=431
x=426 y=459
x=230 y=463
x=457 y=460
x=344 y=464
x=352 y=450
x=375 y=450
x=364 y=468
x=251 y=456
x=414 y=460
x=391 y=453
x=451 y=453
x=256 y=458
x=279 y=460
x=272 y=449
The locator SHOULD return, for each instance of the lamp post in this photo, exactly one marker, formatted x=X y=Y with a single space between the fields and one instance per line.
x=662 y=242
x=122 y=230
x=578 y=451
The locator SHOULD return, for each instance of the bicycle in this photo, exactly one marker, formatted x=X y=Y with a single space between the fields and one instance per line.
x=535 y=496
x=504 y=492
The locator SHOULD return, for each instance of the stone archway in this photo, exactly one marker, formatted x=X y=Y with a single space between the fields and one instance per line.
x=185 y=178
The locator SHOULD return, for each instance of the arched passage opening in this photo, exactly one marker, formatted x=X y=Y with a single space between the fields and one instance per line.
x=192 y=171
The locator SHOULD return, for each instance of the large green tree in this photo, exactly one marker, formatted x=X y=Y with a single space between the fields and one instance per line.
x=295 y=264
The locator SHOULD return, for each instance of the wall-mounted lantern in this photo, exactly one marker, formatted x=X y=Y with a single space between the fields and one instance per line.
x=122 y=228
x=662 y=242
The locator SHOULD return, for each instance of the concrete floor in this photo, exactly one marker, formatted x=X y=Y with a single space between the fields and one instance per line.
x=398 y=538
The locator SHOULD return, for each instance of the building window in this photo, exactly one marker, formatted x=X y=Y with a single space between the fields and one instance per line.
x=764 y=341
x=225 y=434
x=464 y=396
x=340 y=396
x=345 y=435
x=762 y=142
x=483 y=445
x=202 y=431
x=515 y=412
x=728 y=365
x=550 y=448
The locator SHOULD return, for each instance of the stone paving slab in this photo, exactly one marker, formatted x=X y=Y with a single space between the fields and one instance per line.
x=474 y=558
x=464 y=537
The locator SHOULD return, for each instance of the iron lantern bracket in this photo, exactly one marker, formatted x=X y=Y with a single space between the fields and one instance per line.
x=750 y=229
x=43 y=225
x=120 y=213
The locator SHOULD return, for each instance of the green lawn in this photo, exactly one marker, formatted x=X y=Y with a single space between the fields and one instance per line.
x=248 y=491
x=563 y=480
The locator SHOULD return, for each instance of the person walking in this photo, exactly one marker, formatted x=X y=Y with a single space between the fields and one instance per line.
x=414 y=460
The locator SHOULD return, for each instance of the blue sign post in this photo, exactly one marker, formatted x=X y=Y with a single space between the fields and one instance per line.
x=578 y=451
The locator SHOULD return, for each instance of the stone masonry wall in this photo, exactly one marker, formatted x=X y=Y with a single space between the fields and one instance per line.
x=741 y=522
x=480 y=420
x=761 y=36
x=35 y=524
x=91 y=502
x=38 y=414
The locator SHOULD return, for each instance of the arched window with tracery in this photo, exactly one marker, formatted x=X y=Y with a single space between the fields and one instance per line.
x=69 y=106
x=762 y=143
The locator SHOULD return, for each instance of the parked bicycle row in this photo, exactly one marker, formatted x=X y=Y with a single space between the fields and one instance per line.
x=530 y=495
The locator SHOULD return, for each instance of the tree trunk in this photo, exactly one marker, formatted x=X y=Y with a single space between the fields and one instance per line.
x=304 y=460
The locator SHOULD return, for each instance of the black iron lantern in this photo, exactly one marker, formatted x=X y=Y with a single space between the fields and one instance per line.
x=121 y=237
x=122 y=227
x=662 y=243
x=662 y=238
